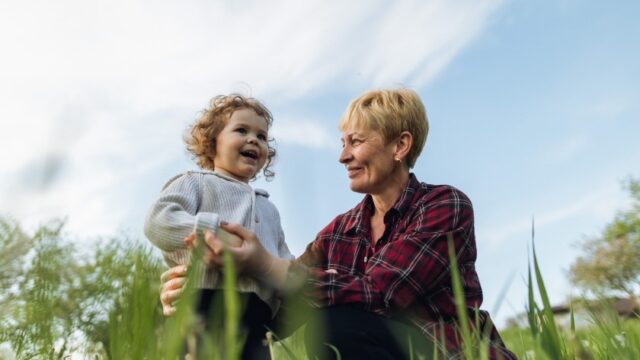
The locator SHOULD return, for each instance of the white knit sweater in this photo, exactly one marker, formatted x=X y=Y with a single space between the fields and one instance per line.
x=200 y=200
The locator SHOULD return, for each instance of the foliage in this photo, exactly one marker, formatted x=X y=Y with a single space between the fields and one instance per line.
x=610 y=262
x=103 y=303
x=14 y=246
x=44 y=313
x=137 y=329
x=56 y=299
x=609 y=336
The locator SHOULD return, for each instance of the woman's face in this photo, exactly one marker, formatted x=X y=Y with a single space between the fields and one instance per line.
x=369 y=161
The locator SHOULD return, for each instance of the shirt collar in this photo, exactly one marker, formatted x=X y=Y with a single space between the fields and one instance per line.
x=364 y=209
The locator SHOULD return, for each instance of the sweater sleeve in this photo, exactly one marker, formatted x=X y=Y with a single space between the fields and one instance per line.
x=175 y=214
x=283 y=249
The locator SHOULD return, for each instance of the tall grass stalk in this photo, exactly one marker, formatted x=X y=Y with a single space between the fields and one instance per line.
x=232 y=309
x=461 y=307
x=542 y=321
x=474 y=343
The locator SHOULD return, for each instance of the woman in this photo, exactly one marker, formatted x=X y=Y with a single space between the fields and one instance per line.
x=379 y=273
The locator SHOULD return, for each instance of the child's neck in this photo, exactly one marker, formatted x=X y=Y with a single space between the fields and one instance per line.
x=230 y=175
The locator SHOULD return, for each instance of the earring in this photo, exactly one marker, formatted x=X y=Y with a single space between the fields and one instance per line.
x=397 y=159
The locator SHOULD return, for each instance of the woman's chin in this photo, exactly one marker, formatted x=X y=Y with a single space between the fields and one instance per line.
x=358 y=187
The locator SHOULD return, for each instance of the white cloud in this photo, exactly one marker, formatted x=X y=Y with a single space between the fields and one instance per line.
x=95 y=95
x=417 y=39
x=156 y=51
x=304 y=132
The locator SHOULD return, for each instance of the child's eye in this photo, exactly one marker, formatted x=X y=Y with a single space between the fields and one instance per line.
x=241 y=130
x=262 y=137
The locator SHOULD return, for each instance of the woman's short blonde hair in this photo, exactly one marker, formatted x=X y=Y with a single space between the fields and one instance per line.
x=390 y=112
x=201 y=136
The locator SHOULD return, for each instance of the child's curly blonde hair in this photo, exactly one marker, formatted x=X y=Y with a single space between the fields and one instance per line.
x=201 y=136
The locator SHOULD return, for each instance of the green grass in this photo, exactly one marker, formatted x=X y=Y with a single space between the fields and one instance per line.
x=108 y=308
x=608 y=336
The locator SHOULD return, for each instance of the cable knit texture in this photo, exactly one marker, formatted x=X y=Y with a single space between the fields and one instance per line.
x=199 y=200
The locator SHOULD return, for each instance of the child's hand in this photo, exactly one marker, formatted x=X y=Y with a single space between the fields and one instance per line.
x=190 y=240
x=172 y=281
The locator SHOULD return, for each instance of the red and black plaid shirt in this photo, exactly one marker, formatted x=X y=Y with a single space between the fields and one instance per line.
x=407 y=273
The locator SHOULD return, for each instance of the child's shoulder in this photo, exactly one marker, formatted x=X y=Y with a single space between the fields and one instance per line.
x=261 y=192
x=187 y=176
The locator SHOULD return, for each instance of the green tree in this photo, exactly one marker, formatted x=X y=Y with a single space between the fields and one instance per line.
x=37 y=324
x=57 y=299
x=611 y=262
x=14 y=246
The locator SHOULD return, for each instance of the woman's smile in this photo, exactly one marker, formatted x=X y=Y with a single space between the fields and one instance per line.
x=353 y=171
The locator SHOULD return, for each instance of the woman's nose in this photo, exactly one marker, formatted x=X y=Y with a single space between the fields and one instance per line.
x=345 y=155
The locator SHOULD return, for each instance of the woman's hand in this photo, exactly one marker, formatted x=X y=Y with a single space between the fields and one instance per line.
x=214 y=247
x=250 y=257
x=172 y=281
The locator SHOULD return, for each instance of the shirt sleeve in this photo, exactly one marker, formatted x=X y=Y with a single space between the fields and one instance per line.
x=407 y=268
x=175 y=214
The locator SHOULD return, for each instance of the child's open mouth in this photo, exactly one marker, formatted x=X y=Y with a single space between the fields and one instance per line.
x=250 y=154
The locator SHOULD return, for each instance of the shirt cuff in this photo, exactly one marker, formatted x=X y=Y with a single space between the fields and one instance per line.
x=206 y=221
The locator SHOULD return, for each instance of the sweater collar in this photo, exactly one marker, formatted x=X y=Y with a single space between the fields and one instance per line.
x=258 y=191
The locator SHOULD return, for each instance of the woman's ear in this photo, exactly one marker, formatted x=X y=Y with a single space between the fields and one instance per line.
x=403 y=145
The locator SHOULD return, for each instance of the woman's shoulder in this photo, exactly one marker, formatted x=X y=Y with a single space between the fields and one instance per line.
x=442 y=192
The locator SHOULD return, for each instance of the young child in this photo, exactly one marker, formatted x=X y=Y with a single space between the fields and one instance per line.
x=230 y=144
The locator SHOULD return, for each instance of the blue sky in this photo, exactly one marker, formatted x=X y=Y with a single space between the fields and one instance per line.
x=533 y=108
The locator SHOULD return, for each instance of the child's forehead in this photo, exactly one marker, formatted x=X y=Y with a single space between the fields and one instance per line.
x=247 y=116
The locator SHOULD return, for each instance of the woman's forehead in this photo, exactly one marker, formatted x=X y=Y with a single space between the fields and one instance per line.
x=359 y=131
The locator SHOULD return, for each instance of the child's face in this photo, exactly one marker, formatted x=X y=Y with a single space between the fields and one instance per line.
x=241 y=146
